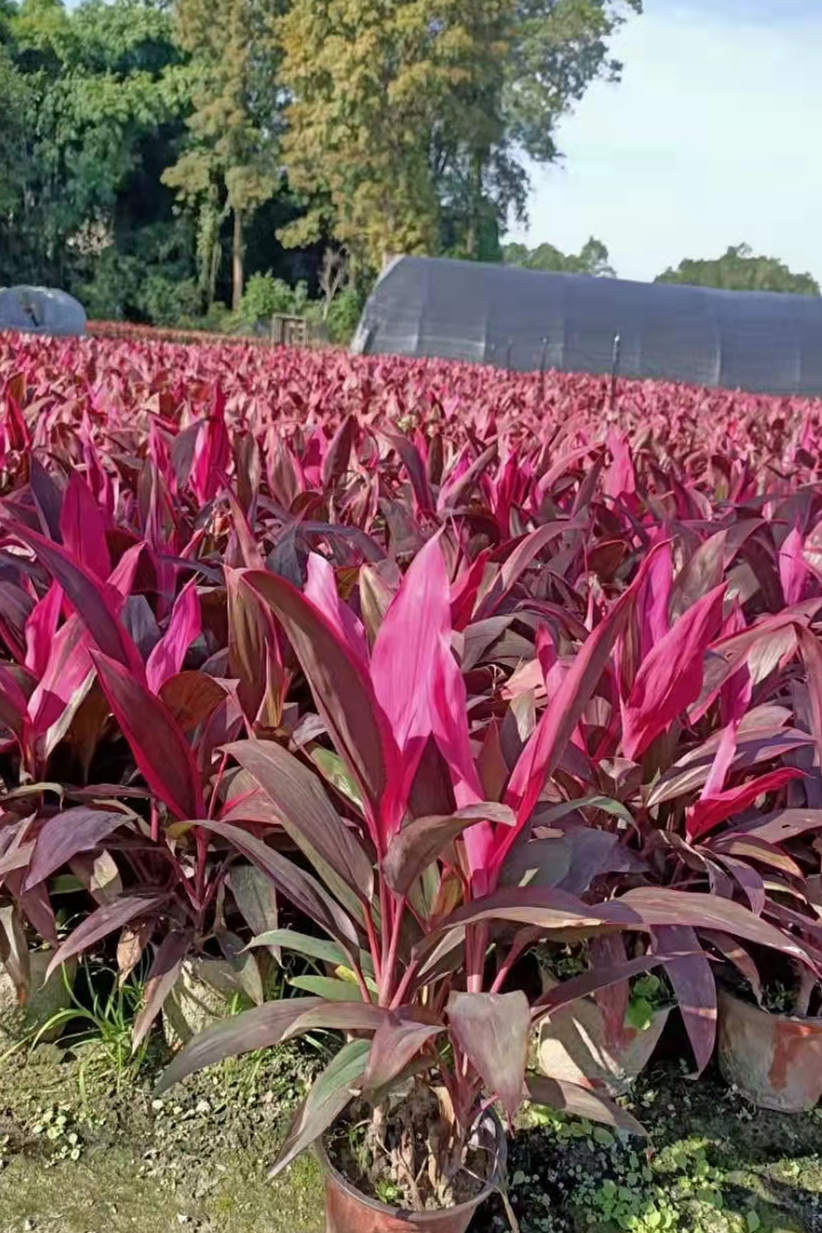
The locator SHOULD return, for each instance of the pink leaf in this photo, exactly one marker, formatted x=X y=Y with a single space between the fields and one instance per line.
x=792 y=567
x=41 y=627
x=670 y=678
x=167 y=656
x=710 y=811
x=321 y=589
x=160 y=750
x=83 y=528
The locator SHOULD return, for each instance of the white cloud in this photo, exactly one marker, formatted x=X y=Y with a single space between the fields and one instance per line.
x=711 y=139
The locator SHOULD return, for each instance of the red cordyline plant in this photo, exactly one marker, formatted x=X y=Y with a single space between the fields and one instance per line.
x=409 y=854
x=110 y=656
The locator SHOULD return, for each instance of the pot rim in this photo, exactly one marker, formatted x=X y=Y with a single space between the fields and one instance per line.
x=777 y=1016
x=384 y=1209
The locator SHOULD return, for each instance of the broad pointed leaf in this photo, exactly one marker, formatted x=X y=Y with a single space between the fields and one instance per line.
x=330 y=1093
x=343 y=694
x=492 y=1029
x=160 y=750
x=422 y=840
x=303 y=890
x=304 y=811
x=165 y=969
x=581 y=1102
x=103 y=921
x=396 y=1043
x=65 y=834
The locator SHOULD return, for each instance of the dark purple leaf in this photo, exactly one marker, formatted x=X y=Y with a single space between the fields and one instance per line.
x=65 y=834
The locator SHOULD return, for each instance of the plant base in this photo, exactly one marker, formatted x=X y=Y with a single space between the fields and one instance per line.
x=348 y=1210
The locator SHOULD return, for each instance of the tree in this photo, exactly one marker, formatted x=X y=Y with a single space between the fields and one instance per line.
x=101 y=86
x=16 y=107
x=591 y=259
x=408 y=124
x=229 y=165
x=738 y=269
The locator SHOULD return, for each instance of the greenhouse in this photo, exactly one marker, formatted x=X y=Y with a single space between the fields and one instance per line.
x=527 y=320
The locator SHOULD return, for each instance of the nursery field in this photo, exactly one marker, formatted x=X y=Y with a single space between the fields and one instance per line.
x=440 y=741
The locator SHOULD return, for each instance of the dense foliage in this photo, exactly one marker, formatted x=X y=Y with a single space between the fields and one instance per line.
x=740 y=269
x=154 y=154
x=499 y=659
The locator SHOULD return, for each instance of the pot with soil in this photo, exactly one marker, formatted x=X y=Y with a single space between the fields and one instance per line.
x=774 y=1059
x=576 y=1045
x=356 y=1208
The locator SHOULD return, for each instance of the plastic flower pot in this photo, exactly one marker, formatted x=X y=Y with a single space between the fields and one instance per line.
x=348 y=1210
x=46 y=998
x=199 y=998
x=574 y=1045
x=774 y=1060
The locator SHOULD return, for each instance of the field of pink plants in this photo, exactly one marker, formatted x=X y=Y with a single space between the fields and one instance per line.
x=433 y=661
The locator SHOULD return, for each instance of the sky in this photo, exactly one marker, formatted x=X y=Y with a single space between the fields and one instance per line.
x=712 y=138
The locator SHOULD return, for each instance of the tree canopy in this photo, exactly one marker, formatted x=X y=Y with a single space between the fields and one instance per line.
x=408 y=122
x=156 y=152
x=592 y=259
x=739 y=269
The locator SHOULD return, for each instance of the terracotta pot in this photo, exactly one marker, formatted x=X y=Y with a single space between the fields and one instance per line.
x=44 y=1000
x=348 y=1210
x=774 y=1060
x=574 y=1045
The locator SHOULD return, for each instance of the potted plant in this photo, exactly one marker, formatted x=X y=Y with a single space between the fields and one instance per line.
x=406 y=885
x=770 y=1036
x=85 y=690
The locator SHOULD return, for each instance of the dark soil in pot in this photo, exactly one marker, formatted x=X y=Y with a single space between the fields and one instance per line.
x=380 y=1174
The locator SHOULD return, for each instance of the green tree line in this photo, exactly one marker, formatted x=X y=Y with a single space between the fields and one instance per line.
x=738 y=269
x=160 y=158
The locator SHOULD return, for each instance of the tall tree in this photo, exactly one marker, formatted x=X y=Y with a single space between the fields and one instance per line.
x=409 y=120
x=229 y=165
x=592 y=259
x=99 y=84
x=739 y=269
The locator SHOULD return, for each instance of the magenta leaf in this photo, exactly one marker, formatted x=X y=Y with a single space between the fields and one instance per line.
x=168 y=655
x=160 y=749
x=344 y=697
x=83 y=528
x=95 y=601
x=670 y=678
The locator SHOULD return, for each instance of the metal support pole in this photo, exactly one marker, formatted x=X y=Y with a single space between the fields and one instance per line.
x=615 y=356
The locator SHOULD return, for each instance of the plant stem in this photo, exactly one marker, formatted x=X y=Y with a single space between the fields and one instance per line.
x=373 y=944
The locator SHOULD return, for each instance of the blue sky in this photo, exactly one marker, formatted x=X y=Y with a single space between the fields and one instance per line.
x=712 y=138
